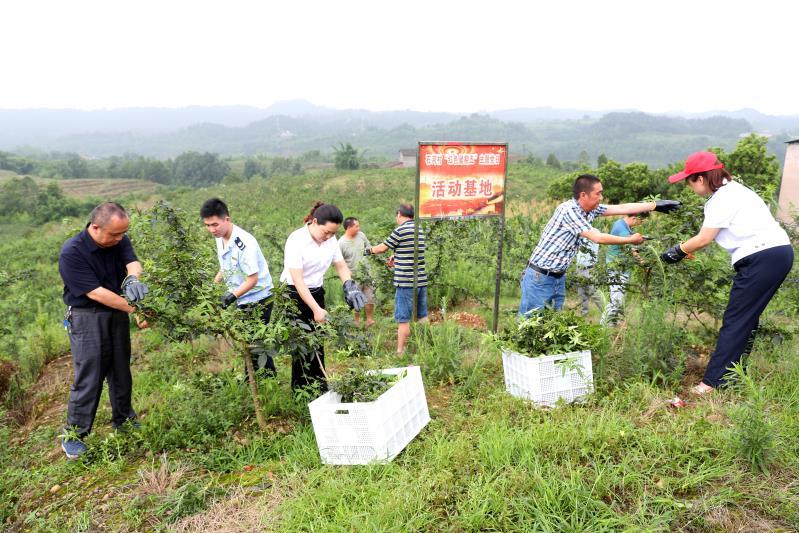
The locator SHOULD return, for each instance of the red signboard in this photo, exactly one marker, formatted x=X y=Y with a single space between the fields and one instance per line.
x=458 y=180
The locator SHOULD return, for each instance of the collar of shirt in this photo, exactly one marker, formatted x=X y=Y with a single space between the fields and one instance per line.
x=231 y=241
x=88 y=241
x=309 y=238
x=577 y=207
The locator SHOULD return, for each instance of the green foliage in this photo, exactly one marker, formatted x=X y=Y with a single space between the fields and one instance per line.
x=179 y=271
x=634 y=182
x=550 y=332
x=198 y=170
x=131 y=166
x=651 y=349
x=272 y=166
x=752 y=435
x=751 y=162
x=552 y=161
x=441 y=351
x=621 y=183
x=347 y=157
x=23 y=198
x=360 y=385
x=15 y=163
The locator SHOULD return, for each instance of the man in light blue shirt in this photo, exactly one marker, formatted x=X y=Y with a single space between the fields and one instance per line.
x=242 y=266
x=618 y=271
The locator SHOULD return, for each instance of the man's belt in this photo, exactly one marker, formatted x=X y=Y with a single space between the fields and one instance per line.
x=544 y=271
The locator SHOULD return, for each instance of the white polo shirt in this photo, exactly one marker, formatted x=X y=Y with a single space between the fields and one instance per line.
x=745 y=222
x=242 y=257
x=314 y=259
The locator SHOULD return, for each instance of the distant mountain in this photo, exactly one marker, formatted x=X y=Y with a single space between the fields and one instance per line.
x=761 y=122
x=542 y=114
x=297 y=108
x=293 y=127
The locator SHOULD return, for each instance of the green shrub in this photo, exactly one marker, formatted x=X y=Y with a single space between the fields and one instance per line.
x=652 y=344
x=752 y=435
x=440 y=350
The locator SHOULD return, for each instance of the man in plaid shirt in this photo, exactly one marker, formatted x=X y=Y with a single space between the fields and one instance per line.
x=544 y=281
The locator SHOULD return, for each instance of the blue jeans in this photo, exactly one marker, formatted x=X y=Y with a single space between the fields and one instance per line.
x=540 y=290
x=403 y=303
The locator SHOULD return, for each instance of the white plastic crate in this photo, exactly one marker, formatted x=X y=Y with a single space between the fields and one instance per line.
x=544 y=381
x=361 y=433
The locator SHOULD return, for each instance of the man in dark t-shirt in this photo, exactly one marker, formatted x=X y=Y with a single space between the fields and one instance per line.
x=401 y=241
x=97 y=265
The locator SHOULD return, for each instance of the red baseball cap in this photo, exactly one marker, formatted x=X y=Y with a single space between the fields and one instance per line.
x=698 y=162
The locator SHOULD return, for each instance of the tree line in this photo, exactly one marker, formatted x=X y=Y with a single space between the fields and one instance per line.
x=193 y=169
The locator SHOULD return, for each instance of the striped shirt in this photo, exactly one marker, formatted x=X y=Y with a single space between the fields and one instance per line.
x=401 y=242
x=561 y=237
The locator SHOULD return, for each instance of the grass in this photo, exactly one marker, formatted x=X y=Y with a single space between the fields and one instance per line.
x=486 y=461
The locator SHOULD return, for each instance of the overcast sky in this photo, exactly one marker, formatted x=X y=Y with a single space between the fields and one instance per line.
x=433 y=55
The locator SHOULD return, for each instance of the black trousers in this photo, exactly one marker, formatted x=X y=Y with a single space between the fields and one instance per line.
x=757 y=278
x=100 y=343
x=307 y=366
x=264 y=309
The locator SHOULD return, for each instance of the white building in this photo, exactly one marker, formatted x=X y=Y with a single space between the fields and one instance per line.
x=407 y=157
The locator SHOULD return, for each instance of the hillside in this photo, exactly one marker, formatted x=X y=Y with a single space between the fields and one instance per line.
x=623 y=460
x=296 y=127
x=94 y=188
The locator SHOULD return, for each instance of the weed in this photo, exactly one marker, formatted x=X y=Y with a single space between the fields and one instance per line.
x=162 y=478
x=440 y=350
x=753 y=437
x=652 y=344
x=184 y=501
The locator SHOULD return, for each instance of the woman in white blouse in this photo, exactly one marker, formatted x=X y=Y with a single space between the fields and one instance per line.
x=741 y=223
x=309 y=252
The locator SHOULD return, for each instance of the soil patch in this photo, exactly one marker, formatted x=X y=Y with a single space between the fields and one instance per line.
x=45 y=403
x=7 y=372
x=467 y=320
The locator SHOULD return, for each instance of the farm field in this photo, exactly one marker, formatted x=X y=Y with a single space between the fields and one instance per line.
x=94 y=188
x=622 y=460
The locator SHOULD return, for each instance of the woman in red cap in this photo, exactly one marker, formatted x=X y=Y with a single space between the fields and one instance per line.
x=741 y=223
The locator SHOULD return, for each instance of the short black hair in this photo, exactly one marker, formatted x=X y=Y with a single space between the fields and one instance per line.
x=349 y=221
x=103 y=213
x=584 y=183
x=405 y=210
x=214 y=207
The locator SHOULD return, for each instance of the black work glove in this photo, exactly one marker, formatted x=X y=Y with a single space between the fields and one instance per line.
x=353 y=295
x=134 y=289
x=666 y=206
x=673 y=255
x=226 y=299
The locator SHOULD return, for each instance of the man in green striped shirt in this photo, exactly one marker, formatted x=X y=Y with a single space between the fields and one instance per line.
x=401 y=243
